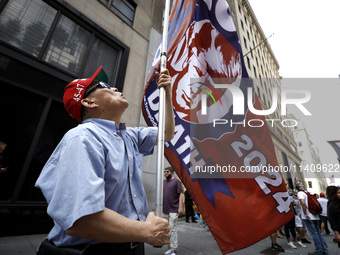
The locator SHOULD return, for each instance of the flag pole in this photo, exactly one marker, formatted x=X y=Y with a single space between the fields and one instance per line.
x=161 y=118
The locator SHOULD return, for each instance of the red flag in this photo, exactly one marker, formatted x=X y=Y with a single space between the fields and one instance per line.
x=222 y=152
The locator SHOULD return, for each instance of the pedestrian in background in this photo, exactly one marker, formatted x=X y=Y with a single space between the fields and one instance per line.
x=189 y=210
x=323 y=216
x=312 y=222
x=333 y=194
x=290 y=228
x=298 y=221
x=275 y=246
x=172 y=206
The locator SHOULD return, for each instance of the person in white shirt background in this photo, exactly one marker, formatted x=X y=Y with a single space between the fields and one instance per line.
x=312 y=222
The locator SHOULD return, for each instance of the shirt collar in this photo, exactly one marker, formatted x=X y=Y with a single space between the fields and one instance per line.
x=107 y=124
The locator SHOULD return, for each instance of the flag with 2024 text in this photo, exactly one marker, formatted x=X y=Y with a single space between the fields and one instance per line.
x=222 y=152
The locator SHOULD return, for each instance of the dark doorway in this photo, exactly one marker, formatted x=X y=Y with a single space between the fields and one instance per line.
x=31 y=126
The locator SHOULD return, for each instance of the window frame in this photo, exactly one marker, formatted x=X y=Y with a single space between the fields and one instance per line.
x=117 y=76
x=120 y=13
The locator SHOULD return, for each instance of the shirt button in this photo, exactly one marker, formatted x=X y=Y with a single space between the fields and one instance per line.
x=134 y=195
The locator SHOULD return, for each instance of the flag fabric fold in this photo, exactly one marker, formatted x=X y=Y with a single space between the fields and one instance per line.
x=245 y=190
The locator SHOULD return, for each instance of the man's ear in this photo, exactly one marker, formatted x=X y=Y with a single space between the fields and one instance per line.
x=89 y=103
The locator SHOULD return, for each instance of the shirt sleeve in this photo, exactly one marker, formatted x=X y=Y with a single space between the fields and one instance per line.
x=300 y=195
x=146 y=139
x=77 y=188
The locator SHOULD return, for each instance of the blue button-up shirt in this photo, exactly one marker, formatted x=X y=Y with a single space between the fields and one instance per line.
x=96 y=165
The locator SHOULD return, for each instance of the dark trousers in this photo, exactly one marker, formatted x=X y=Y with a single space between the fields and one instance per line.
x=324 y=219
x=189 y=211
x=290 y=227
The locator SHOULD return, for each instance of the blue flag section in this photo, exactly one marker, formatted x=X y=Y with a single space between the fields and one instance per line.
x=228 y=166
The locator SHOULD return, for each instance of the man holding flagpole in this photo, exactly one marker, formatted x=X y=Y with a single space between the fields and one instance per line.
x=92 y=181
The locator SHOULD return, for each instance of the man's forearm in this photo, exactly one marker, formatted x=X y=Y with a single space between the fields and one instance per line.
x=181 y=201
x=337 y=235
x=107 y=226
x=304 y=209
x=169 y=117
x=110 y=227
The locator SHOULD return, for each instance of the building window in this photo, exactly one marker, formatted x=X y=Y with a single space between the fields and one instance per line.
x=248 y=61
x=245 y=43
x=125 y=9
x=258 y=91
x=68 y=45
x=310 y=185
x=25 y=24
x=264 y=98
x=255 y=71
x=50 y=34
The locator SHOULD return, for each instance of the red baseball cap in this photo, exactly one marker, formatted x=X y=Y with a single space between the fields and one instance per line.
x=322 y=194
x=75 y=90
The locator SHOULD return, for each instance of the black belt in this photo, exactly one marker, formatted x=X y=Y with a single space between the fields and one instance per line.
x=48 y=248
x=115 y=246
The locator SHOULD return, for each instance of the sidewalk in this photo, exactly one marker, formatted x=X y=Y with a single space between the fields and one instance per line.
x=192 y=240
x=195 y=240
